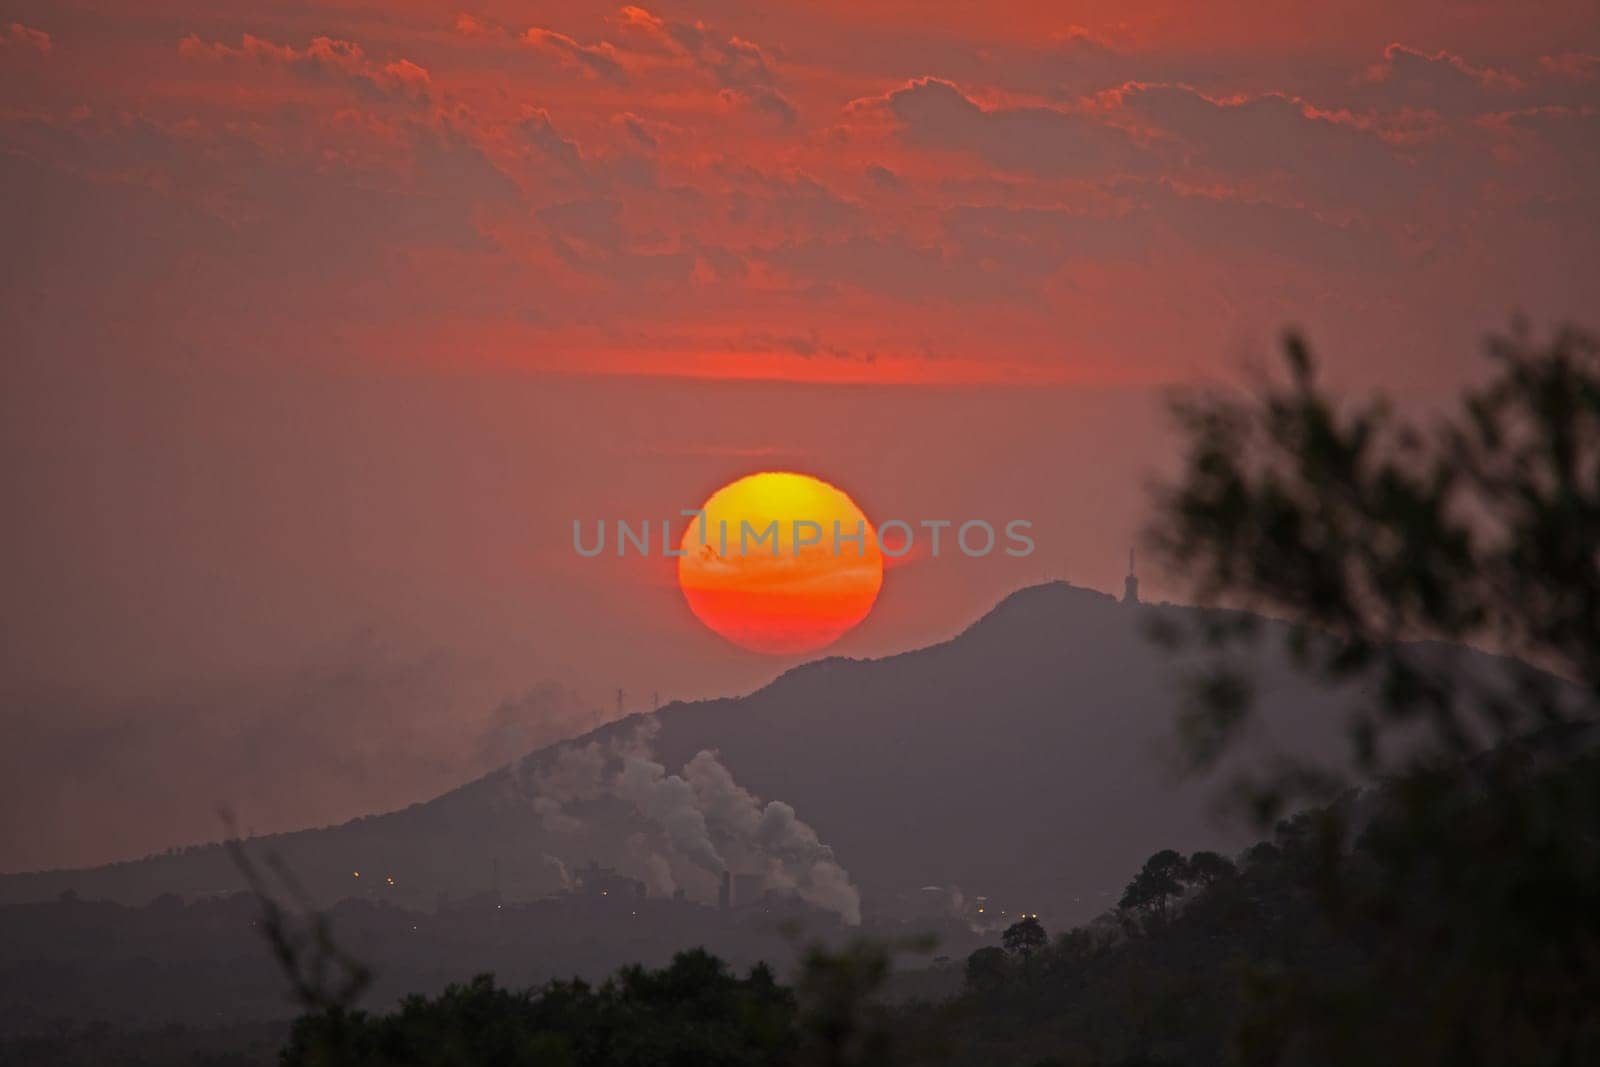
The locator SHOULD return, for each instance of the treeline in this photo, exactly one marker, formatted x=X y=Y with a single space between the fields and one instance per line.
x=1356 y=935
x=1376 y=930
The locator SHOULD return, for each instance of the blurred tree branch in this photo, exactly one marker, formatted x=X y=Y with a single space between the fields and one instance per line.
x=1368 y=534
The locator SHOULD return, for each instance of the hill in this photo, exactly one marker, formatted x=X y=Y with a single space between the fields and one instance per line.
x=1027 y=760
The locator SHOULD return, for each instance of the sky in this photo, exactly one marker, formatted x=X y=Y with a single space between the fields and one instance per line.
x=322 y=321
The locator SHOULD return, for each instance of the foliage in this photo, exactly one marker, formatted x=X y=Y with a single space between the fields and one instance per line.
x=1160 y=881
x=691 y=1012
x=1466 y=897
x=987 y=969
x=1024 y=937
x=1258 y=966
x=694 y=1013
x=1166 y=877
x=1369 y=533
x=841 y=1021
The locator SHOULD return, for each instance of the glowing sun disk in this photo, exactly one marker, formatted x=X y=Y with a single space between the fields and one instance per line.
x=780 y=562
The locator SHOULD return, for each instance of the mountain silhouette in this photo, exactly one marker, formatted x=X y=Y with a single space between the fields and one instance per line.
x=1030 y=759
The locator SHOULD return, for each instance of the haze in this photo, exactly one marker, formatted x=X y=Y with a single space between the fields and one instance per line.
x=319 y=326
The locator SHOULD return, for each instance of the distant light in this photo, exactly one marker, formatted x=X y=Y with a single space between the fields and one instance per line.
x=356 y=873
x=390 y=879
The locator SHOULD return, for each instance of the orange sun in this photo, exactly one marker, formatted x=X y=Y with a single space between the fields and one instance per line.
x=780 y=563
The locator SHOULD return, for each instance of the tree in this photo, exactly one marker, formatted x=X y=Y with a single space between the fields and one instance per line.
x=1024 y=937
x=987 y=969
x=1469 y=904
x=1368 y=534
x=841 y=1019
x=1207 y=868
x=1160 y=881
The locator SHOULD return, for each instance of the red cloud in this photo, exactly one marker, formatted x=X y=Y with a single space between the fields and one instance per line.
x=596 y=60
x=740 y=67
x=20 y=36
x=323 y=55
x=1045 y=141
x=1572 y=66
x=1442 y=82
x=473 y=26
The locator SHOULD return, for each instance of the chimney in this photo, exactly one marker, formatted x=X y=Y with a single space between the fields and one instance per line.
x=1130 y=584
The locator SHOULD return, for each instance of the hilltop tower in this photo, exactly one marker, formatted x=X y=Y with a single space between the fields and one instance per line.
x=1130 y=584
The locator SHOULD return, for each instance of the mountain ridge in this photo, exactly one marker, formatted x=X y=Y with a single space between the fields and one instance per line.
x=1028 y=758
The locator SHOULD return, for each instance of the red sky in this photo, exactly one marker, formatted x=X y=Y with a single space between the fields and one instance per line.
x=321 y=324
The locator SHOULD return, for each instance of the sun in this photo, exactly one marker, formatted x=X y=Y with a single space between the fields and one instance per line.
x=780 y=563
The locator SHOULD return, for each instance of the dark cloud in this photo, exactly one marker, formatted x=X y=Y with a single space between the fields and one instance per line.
x=883 y=177
x=596 y=60
x=1035 y=140
x=1442 y=82
x=1576 y=67
x=740 y=68
x=1321 y=155
x=323 y=58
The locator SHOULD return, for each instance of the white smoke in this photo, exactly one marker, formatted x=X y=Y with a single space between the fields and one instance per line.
x=669 y=802
x=771 y=839
x=705 y=822
x=558 y=868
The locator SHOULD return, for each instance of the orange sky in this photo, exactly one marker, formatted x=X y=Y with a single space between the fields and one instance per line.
x=321 y=323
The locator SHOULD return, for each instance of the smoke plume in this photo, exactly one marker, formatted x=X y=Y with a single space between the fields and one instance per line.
x=702 y=822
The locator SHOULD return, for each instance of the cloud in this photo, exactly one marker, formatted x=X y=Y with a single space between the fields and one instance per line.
x=643 y=132
x=322 y=58
x=473 y=26
x=740 y=68
x=17 y=36
x=1442 y=82
x=671 y=37
x=1557 y=149
x=794 y=204
x=596 y=60
x=1043 y=141
x=883 y=177
x=540 y=132
x=404 y=77
x=1268 y=136
x=805 y=345
x=1577 y=67
x=764 y=99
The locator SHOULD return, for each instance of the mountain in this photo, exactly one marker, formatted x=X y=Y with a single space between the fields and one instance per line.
x=1029 y=760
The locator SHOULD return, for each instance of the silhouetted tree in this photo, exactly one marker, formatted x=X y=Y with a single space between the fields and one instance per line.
x=987 y=969
x=1208 y=868
x=1024 y=937
x=1465 y=891
x=1160 y=881
x=692 y=1011
x=842 y=1022
x=1368 y=533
